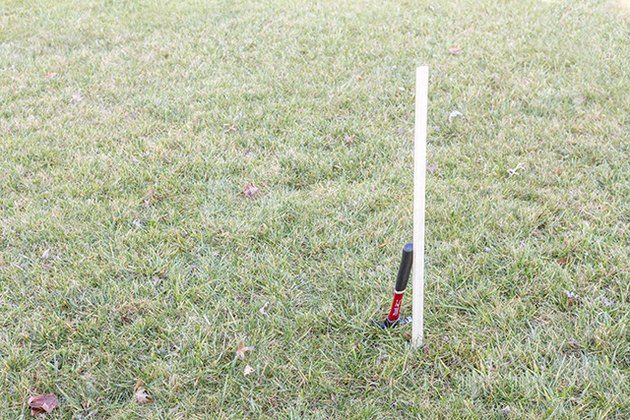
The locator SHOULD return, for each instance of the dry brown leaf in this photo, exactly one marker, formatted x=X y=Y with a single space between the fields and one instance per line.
x=455 y=50
x=248 y=370
x=141 y=394
x=250 y=190
x=142 y=397
x=42 y=404
x=242 y=349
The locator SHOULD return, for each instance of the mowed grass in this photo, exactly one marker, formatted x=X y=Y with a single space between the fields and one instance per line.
x=128 y=131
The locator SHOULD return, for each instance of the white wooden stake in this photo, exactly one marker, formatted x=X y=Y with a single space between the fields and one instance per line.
x=419 y=174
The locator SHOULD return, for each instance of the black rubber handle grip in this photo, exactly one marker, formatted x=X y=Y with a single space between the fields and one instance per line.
x=405 y=267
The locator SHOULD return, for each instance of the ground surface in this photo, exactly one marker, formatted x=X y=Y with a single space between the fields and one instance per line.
x=128 y=250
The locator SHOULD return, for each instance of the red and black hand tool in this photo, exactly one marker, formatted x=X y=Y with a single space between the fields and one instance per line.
x=393 y=318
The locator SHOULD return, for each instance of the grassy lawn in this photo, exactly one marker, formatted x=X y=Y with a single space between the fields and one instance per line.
x=128 y=250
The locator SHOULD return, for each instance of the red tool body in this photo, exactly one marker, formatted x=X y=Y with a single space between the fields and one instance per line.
x=393 y=318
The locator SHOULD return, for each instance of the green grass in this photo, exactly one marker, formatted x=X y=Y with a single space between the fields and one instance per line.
x=128 y=131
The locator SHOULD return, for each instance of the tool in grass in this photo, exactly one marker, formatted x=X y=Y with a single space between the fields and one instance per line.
x=393 y=318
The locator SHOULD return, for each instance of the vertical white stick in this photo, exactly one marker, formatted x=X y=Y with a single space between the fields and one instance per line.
x=419 y=172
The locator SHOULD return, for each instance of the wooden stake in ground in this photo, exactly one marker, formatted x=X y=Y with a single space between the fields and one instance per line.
x=419 y=174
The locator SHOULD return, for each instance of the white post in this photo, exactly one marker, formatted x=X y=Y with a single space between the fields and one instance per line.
x=419 y=173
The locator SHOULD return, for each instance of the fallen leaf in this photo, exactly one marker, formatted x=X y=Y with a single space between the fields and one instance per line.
x=242 y=349
x=248 y=370
x=46 y=254
x=42 y=404
x=349 y=139
x=250 y=190
x=455 y=50
x=141 y=394
x=359 y=77
x=142 y=397
x=454 y=114
x=562 y=261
